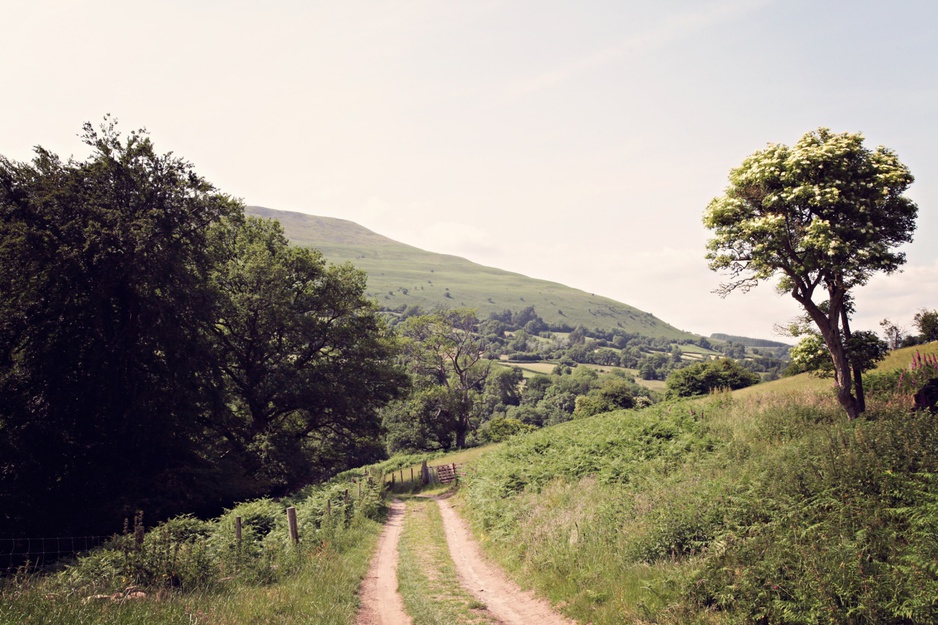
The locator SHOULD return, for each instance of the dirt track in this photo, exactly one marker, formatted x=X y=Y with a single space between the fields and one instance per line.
x=382 y=605
x=487 y=583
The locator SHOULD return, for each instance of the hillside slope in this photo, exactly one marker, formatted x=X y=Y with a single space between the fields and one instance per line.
x=401 y=276
x=763 y=505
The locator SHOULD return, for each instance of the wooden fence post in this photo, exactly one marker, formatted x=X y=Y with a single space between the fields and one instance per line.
x=291 y=521
x=424 y=474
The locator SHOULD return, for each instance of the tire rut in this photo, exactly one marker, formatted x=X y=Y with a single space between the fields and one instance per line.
x=486 y=581
x=381 y=604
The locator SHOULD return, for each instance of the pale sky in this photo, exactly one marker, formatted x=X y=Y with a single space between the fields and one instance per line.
x=577 y=142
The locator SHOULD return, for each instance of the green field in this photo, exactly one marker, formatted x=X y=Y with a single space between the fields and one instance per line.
x=697 y=350
x=901 y=358
x=535 y=368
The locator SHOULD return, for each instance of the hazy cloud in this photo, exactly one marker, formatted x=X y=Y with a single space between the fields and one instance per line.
x=670 y=29
x=461 y=239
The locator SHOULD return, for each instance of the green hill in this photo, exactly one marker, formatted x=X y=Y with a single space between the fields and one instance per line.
x=401 y=276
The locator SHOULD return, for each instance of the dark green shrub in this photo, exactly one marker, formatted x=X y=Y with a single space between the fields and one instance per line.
x=705 y=377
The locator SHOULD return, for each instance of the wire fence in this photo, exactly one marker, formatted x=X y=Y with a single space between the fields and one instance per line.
x=37 y=552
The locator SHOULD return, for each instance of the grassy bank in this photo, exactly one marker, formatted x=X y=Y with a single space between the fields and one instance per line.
x=192 y=571
x=763 y=506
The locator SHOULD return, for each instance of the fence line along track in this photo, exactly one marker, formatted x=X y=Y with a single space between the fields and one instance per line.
x=402 y=480
x=15 y=552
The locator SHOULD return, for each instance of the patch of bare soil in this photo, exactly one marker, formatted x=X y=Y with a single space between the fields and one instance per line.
x=486 y=581
x=380 y=602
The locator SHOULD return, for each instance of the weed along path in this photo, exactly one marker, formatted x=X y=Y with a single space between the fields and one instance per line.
x=504 y=599
x=380 y=602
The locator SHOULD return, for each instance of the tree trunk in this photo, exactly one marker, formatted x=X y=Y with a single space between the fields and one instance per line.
x=857 y=371
x=828 y=324
x=843 y=377
x=462 y=428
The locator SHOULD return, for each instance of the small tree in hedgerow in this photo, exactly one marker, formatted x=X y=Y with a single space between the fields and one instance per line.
x=705 y=377
x=822 y=216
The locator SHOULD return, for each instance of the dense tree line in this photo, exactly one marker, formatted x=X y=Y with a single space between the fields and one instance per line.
x=522 y=336
x=459 y=398
x=160 y=351
x=705 y=377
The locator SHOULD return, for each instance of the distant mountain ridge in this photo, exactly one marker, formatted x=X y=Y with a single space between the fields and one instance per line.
x=401 y=276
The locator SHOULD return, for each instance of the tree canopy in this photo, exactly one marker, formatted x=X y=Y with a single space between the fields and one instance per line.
x=104 y=373
x=303 y=353
x=926 y=321
x=444 y=354
x=160 y=352
x=703 y=377
x=822 y=217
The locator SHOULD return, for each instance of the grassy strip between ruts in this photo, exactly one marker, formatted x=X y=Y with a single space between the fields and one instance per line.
x=426 y=575
x=324 y=590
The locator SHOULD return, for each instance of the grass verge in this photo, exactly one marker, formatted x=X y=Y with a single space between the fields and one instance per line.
x=322 y=589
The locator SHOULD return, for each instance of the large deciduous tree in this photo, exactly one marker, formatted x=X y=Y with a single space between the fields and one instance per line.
x=104 y=369
x=306 y=359
x=444 y=354
x=822 y=216
x=160 y=351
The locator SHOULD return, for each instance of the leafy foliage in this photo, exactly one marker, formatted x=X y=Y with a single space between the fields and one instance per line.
x=499 y=429
x=926 y=321
x=756 y=507
x=104 y=369
x=305 y=357
x=851 y=532
x=823 y=216
x=189 y=570
x=160 y=352
x=443 y=352
x=705 y=377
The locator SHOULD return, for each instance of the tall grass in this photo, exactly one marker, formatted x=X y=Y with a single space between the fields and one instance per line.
x=188 y=570
x=736 y=508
